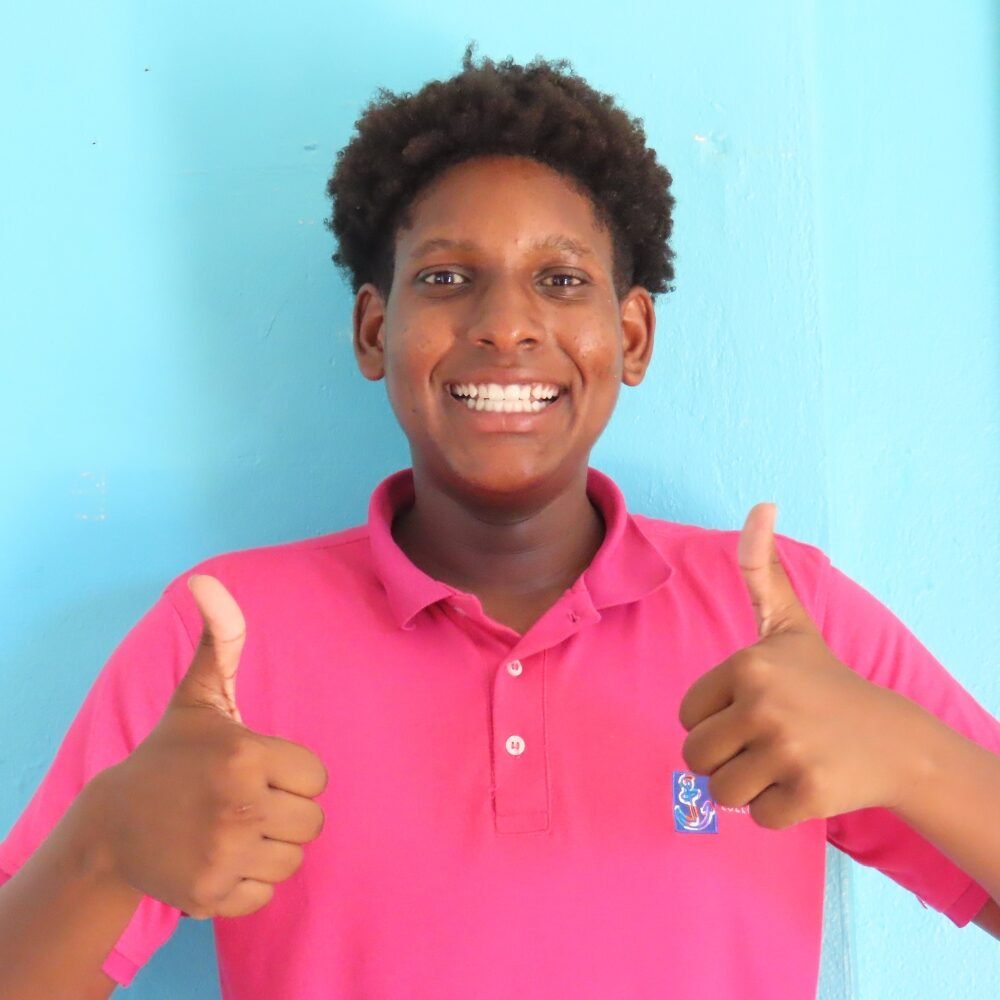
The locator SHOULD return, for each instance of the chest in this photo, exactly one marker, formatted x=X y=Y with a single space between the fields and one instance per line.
x=504 y=813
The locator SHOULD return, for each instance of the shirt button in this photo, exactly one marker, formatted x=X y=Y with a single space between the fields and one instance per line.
x=515 y=746
x=514 y=668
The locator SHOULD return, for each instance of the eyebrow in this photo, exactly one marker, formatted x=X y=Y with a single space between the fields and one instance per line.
x=554 y=241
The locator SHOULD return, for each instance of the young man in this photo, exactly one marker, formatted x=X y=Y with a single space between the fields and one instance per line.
x=554 y=749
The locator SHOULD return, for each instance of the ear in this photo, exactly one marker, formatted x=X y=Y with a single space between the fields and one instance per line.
x=369 y=332
x=638 y=320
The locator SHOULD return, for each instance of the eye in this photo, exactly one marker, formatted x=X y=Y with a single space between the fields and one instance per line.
x=562 y=281
x=444 y=278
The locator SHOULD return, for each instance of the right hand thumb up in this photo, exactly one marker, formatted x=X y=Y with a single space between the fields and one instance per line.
x=210 y=681
x=206 y=814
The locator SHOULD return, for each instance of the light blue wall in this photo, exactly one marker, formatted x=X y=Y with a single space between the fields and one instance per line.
x=176 y=369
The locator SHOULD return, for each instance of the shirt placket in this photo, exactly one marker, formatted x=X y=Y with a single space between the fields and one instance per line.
x=520 y=741
x=521 y=787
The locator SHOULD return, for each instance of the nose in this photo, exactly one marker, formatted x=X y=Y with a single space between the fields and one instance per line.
x=505 y=319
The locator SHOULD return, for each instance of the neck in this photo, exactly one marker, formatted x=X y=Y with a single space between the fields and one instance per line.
x=533 y=545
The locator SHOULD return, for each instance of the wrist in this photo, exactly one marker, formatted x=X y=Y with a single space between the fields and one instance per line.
x=922 y=750
x=89 y=834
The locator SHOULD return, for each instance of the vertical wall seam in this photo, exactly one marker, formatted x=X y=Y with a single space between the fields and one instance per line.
x=818 y=317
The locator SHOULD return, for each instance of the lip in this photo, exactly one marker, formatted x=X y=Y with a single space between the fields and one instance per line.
x=508 y=423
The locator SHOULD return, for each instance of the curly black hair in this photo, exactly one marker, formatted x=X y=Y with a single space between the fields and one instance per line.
x=543 y=111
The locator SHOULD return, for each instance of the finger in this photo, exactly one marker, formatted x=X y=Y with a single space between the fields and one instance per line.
x=247 y=896
x=293 y=768
x=774 y=600
x=273 y=861
x=211 y=678
x=742 y=778
x=716 y=740
x=291 y=818
x=710 y=693
x=778 y=807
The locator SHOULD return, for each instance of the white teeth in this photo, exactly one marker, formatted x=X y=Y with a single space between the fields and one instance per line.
x=492 y=390
x=514 y=398
x=506 y=405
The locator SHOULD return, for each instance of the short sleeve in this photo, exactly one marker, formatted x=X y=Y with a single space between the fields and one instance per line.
x=867 y=636
x=124 y=704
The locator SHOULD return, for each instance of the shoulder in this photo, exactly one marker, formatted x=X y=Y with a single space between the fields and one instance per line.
x=297 y=576
x=706 y=558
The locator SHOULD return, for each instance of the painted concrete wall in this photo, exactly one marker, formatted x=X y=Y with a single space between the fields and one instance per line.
x=177 y=378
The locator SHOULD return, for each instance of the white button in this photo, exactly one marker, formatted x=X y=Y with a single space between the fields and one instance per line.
x=514 y=668
x=515 y=746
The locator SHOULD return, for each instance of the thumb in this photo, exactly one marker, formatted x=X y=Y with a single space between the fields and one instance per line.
x=775 y=603
x=211 y=678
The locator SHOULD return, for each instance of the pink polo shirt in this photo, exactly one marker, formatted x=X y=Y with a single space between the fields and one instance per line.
x=507 y=815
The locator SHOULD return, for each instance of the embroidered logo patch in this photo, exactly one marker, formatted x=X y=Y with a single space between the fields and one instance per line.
x=694 y=810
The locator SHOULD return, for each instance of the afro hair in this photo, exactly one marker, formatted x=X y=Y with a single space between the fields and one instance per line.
x=543 y=111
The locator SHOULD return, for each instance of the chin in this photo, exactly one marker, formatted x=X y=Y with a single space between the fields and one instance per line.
x=503 y=481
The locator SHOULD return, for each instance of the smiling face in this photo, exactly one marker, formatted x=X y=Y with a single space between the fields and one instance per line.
x=502 y=342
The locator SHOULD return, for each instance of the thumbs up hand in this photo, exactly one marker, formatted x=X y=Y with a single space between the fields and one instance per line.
x=783 y=726
x=205 y=814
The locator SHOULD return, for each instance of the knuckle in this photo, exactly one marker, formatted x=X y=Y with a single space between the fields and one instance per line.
x=726 y=793
x=319 y=822
x=764 y=814
x=324 y=777
x=205 y=893
x=751 y=671
x=296 y=855
x=761 y=716
x=689 y=751
x=808 y=786
x=693 y=752
x=790 y=755
x=211 y=862
x=237 y=777
x=264 y=897
x=244 y=755
x=787 y=750
x=242 y=812
x=719 y=791
x=685 y=716
x=219 y=855
x=246 y=899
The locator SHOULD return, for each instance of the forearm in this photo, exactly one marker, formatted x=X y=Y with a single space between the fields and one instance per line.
x=950 y=794
x=62 y=913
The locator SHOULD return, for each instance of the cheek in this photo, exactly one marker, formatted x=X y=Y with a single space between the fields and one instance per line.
x=410 y=357
x=599 y=356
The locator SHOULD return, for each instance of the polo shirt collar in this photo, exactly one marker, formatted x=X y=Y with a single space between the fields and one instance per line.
x=625 y=568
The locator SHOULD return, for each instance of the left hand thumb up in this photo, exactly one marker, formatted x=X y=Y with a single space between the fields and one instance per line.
x=774 y=600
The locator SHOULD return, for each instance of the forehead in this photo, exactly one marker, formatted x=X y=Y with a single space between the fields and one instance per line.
x=502 y=202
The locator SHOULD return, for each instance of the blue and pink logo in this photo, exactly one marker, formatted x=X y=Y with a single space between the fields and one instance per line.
x=694 y=810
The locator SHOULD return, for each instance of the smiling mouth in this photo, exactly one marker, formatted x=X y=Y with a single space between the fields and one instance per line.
x=493 y=398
